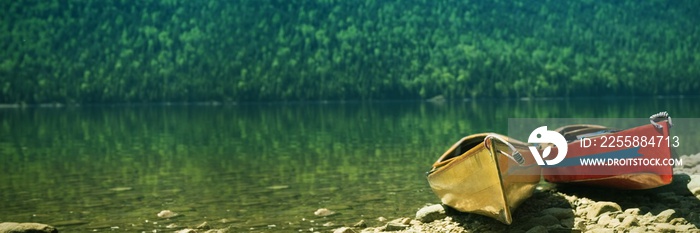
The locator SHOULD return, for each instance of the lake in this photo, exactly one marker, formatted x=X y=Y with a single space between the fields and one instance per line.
x=253 y=167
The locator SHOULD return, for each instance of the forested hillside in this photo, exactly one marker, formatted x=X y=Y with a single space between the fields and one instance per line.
x=96 y=51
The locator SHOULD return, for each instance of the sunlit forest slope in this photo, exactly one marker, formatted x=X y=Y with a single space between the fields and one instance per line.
x=97 y=51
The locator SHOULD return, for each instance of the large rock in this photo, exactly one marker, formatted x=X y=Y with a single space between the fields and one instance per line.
x=604 y=220
x=629 y=221
x=665 y=216
x=694 y=184
x=13 y=227
x=431 y=213
x=602 y=207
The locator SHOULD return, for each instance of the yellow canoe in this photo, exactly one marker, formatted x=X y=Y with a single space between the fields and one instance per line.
x=486 y=174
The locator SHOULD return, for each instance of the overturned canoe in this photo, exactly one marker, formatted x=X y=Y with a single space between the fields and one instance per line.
x=635 y=158
x=486 y=174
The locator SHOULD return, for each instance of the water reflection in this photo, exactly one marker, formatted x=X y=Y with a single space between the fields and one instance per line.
x=249 y=165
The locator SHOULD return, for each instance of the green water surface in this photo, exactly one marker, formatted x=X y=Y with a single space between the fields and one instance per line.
x=251 y=167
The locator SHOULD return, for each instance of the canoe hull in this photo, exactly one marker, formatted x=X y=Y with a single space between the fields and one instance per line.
x=632 y=175
x=470 y=177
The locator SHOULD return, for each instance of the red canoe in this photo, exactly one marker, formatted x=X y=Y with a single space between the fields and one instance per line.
x=636 y=158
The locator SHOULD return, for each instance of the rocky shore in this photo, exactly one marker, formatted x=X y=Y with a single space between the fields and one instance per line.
x=567 y=209
x=671 y=208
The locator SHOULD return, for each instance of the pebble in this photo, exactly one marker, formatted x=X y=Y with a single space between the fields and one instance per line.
x=664 y=227
x=601 y=230
x=604 y=220
x=665 y=216
x=629 y=221
x=360 y=224
x=186 y=231
x=632 y=211
x=696 y=191
x=571 y=199
x=223 y=230
x=344 y=230
x=601 y=207
x=694 y=182
x=278 y=187
x=691 y=161
x=580 y=225
x=686 y=228
x=323 y=212
x=203 y=226
x=614 y=222
x=637 y=230
x=431 y=213
x=121 y=189
x=395 y=226
x=166 y=214
x=678 y=221
x=405 y=221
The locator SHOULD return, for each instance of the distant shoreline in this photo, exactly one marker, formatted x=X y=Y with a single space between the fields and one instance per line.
x=234 y=103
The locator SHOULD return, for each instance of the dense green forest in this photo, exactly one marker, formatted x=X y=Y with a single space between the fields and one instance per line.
x=95 y=51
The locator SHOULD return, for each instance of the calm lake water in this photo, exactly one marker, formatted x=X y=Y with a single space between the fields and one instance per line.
x=254 y=167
